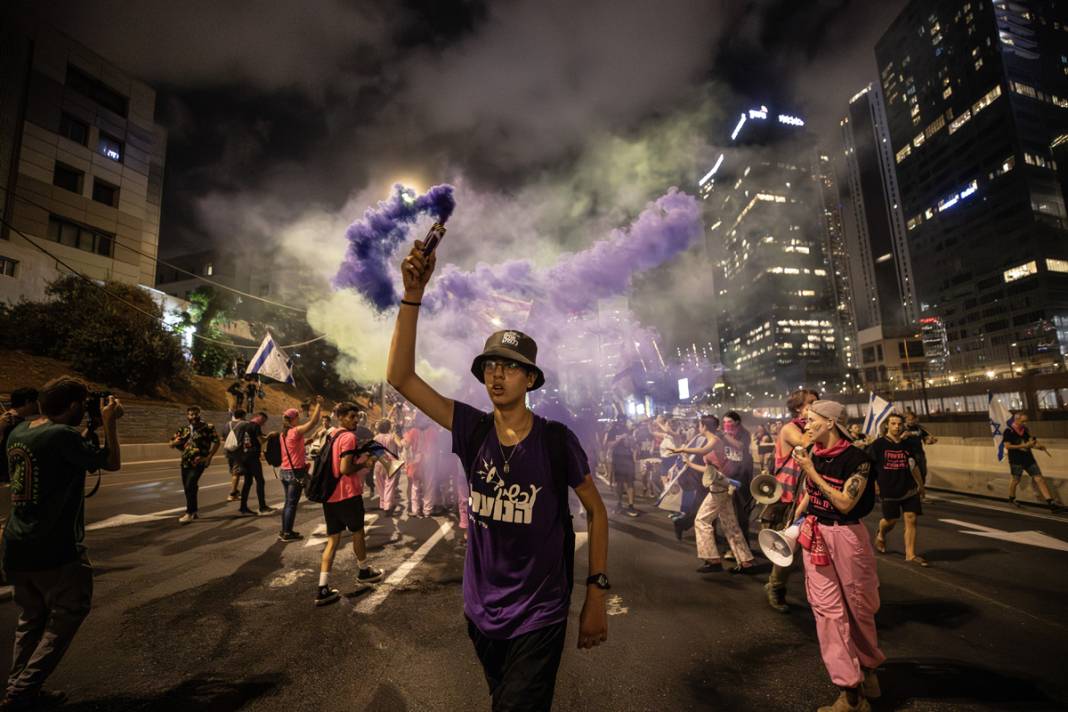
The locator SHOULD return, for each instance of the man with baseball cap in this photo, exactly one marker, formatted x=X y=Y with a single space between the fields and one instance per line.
x=840 y=577
x=294 y=464
x=517 y=571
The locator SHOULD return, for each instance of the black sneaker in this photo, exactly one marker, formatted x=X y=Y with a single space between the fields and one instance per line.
x=326 y=596
x=369 y=575
x=1014 y=503
x=1053 y=506
x=632 y=512
x=267 y=510
x=289 y=536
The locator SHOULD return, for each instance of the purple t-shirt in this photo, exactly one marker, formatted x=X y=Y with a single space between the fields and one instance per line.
x=514 y=578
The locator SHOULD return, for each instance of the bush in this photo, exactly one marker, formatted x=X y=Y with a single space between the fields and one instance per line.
x=98 y=335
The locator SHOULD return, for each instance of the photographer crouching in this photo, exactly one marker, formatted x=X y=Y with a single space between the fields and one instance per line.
x=44 y=556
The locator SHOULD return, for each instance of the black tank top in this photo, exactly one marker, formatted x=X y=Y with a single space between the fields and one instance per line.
x=836 y=471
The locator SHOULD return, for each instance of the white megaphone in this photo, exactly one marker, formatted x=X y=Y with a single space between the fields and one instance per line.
x=395 y=467
x=779 y=547
x=765 y=489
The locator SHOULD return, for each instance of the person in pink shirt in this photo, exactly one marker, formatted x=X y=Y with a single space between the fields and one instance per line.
x=385 y=483
x=294 y=465
x=344 y=508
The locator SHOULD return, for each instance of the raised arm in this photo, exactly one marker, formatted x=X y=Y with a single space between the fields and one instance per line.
x=400 y=371
x=313 y=420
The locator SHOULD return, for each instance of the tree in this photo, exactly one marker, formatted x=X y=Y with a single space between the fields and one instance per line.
x=112 y=334
x=207 y=311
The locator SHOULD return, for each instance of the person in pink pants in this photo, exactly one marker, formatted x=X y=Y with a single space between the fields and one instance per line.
x=841 y=581
x=385 y=485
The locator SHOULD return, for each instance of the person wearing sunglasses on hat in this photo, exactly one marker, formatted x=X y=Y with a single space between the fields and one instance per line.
x=517 y=570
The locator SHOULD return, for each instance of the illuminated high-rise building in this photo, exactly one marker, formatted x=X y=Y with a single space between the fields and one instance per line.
x=976 y=99
x=775 y=296
x=891 y=348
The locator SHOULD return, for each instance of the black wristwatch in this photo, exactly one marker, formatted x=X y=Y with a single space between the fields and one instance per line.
x=600 y=581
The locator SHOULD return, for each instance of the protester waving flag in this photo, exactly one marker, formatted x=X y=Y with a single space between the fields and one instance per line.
x=878 y=410
x=1000 y=421
x=271 y=361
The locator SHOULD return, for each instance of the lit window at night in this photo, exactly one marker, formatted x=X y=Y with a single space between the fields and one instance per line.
x=1024 y=270
x=110 y=147
x=1057 y=265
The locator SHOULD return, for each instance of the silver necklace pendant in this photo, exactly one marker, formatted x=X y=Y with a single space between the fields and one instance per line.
x=506 y=468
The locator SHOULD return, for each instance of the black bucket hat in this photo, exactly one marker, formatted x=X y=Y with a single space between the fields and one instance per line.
x=514 y=345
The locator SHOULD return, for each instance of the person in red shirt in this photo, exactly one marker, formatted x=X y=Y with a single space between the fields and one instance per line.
x=294 y=465
x=344 y=508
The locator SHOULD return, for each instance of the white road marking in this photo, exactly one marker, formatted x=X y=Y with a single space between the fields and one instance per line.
x=120 y=520
x=380 y=594
x=1031 y=538
x=615 y=607
x=318 y=537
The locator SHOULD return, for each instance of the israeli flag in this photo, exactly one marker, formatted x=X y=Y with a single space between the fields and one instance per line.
x=271 y=361
x=878 y=411
x=1000 y=421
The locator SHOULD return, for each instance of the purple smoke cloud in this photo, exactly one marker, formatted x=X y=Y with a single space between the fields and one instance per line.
x=374 y=238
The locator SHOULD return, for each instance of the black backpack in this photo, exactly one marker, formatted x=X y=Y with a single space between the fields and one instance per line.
x=272 y=450
x=556 y=439
x=321 y=480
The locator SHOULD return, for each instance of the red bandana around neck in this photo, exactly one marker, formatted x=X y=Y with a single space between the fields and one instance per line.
x=834 y=451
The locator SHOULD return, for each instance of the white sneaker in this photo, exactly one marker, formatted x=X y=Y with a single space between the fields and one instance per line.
x=186 y=518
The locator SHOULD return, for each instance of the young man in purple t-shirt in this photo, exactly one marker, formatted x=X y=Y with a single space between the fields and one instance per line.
x=516 y=583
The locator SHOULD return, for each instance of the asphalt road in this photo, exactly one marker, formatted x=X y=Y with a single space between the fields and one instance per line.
x=218 y=615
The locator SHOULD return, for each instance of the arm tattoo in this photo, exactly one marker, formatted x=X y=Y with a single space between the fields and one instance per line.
x=856 y=483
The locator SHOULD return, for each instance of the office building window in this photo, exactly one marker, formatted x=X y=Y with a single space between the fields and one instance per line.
x=106 y=193
x=96 y=90
x=1056 y=265
x=74 y=129
x=8 y=266
x=71 y=234
x=110 y=147
x=1021 y=271
x=67 y=178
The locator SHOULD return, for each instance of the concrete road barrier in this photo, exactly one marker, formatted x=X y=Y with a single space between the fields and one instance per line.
x=970 y=466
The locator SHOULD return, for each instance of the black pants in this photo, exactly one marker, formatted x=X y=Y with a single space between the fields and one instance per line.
x=521 y=672
x=190 y=478
x=253 y=470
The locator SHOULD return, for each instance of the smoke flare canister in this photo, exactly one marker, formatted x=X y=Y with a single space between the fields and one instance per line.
x=433 y=237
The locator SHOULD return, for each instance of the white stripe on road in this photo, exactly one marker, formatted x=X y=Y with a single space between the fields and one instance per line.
x=120 y=520
x=369 y=604
x=318 y=537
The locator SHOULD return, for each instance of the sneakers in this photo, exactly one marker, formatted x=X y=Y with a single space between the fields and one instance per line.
x=1053 y=506
x=233 y=497
x=1014 y=503
x=842 y=705
x=267 y=510
x=369 y=575
x=42 y=699
x=326 y=596
x=245 y=512
x=289 y=536
x=187 y=517
x=870 y=687
x=707 y=568
x=776 y=598
x=631 y=511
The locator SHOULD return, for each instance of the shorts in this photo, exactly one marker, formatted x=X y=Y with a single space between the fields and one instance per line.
x=623 y=475
x=892 y=508
x=346 y=514
x=1020 y=470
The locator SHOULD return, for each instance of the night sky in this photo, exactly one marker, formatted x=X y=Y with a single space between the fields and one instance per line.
x=292 y=106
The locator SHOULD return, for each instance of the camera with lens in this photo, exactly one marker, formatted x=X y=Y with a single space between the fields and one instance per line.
x=92 y=407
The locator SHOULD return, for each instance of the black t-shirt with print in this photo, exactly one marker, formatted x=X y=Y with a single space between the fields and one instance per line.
x=892 y=467
x=836 y=471
x=1023 y=458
